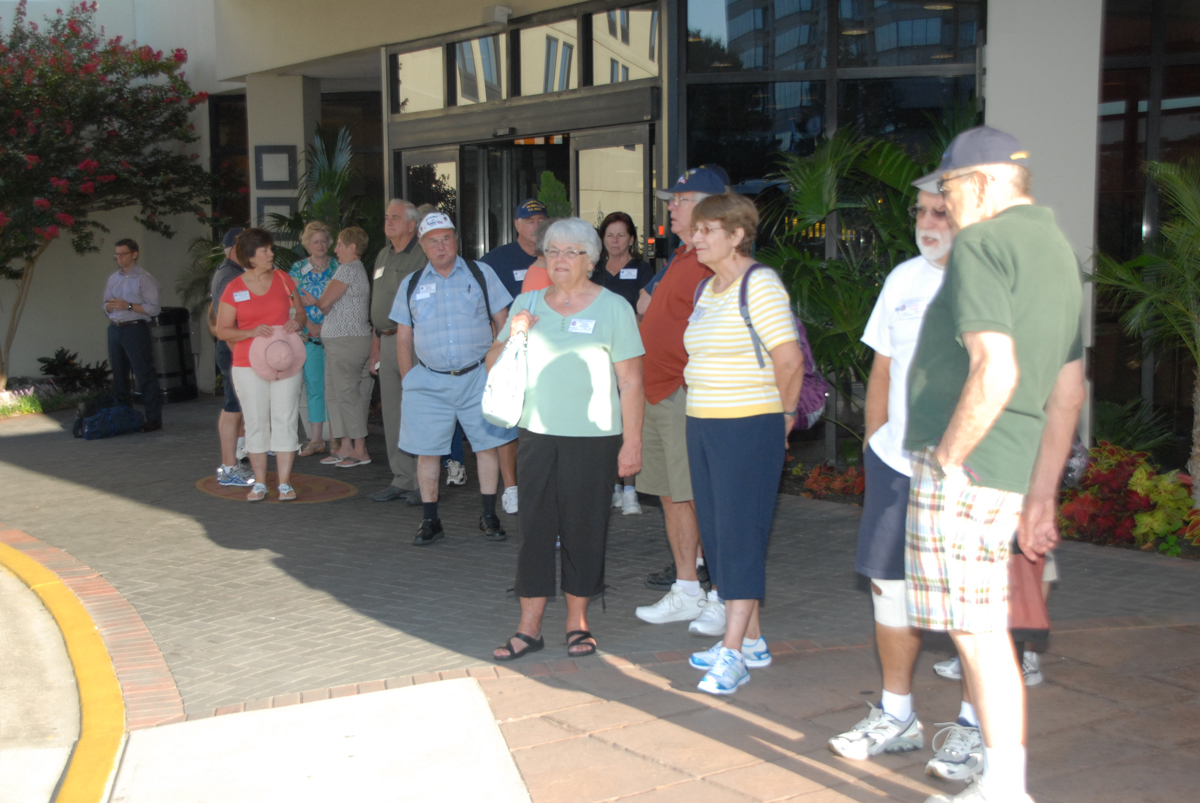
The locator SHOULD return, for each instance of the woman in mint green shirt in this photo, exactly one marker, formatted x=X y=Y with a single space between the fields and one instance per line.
x=581 y=428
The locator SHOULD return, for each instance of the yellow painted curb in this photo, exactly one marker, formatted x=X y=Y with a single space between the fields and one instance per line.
x=101 y=707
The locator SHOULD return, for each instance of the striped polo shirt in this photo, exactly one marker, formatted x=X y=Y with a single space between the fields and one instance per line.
x=722 y=374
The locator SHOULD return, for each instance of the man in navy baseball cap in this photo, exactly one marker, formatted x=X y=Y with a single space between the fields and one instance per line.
x=708 y=179
x=994 y=393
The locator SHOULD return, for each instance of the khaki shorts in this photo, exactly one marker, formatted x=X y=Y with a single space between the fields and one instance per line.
x=665 y=469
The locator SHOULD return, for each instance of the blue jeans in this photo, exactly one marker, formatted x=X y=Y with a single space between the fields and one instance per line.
x=129 y=347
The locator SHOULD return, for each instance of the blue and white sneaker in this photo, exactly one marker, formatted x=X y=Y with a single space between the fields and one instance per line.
x=728 y=672
x=756 y=654
x=234 y=475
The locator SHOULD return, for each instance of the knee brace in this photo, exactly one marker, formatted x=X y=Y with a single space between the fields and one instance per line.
x=891 y=602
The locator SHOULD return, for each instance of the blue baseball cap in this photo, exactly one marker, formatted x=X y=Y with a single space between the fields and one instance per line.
x=531 y=207
x=231 y=236
x=708 y=179
x=976 y=146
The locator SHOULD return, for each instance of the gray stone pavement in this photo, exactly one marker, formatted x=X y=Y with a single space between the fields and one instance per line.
x=252 y=601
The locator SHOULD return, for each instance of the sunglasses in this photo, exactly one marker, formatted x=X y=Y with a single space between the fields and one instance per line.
x=917 y=210
x=942 y=182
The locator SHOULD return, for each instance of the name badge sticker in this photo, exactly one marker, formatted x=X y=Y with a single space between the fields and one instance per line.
x=379 y=271
x=420 y=296
x=519 y=275
x=696 y=315
x=581 y=327
x=628 y=273
x=426 y=289
x=241 y=295
x=910 y=308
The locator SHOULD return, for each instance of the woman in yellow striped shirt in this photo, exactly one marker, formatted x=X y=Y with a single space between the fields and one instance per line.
x=742 y=396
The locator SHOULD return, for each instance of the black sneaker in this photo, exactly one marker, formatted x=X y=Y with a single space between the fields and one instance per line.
x=490 y=524
x=431 y=530
x=664 y=579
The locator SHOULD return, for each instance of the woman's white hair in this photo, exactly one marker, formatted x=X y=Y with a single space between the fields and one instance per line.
x=576 y=232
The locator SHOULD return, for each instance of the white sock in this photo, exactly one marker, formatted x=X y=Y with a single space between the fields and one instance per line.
x=629 y=488
x=898 y=706
x=699 y=562
x=617 y=488
x=241 y=444
x=1004 y=770
x=690 y=587
x=228 y=468
x=748 y=644
x=967 y=712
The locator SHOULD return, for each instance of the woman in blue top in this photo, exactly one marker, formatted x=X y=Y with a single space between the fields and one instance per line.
x=311 y=276
x=581 y=426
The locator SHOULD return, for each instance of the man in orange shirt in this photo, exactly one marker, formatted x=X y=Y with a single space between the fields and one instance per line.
x=665 y=472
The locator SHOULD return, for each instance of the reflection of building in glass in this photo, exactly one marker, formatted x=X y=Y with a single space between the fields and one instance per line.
x=480 y=75
x=548 y=58
x=904 y=34
x=624 y=45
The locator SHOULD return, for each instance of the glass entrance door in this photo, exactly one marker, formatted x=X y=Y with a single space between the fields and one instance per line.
x=610 y=172
x=430 y=176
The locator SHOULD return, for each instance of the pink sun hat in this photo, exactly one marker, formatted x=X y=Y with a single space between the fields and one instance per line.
x=277 y=357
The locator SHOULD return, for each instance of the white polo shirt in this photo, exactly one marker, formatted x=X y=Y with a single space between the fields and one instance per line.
x=892 y=331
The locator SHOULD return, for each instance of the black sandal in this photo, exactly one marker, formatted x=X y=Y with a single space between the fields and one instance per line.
x=580 y=637
x=534 y=644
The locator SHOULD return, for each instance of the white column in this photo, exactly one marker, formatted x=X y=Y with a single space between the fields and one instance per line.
x=281 y=110
x=1043 y=87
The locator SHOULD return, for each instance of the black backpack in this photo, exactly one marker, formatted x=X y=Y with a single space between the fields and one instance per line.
x=475 y=272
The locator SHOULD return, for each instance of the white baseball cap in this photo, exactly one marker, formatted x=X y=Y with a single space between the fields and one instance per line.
x=434 y=220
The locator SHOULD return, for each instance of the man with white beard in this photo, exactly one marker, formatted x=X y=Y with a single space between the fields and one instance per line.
x=892 y=331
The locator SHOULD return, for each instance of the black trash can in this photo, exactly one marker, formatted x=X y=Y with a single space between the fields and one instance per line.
x=171 y=344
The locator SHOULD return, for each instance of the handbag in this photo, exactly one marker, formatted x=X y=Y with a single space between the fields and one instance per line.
x=504 y=394
x=1028 y=618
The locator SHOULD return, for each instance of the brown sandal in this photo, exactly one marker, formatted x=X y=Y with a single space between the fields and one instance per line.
x=311 y=449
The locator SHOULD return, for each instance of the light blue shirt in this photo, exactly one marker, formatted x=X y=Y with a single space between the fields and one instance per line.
x=136 y=287
x=450 y=324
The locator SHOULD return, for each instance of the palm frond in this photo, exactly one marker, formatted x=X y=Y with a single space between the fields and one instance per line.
x=195 y=283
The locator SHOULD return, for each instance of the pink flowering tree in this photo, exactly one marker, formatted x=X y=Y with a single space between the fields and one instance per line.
x=87 y=125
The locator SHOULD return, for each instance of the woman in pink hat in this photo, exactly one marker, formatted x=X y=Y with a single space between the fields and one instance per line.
x=259 y=316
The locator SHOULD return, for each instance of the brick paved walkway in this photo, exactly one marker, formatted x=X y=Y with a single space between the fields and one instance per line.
x=252 y=602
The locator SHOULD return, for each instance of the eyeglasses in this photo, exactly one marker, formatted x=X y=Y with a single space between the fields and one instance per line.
x=942 y=182
x=707 y=230
x=916 y=210
x=440 y=241
x=571 y=253
x=119 y=254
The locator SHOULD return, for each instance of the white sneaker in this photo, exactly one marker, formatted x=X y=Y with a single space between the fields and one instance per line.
x=510 y=500
x=675 y=606
x=756 y=655
x=978 y=792
x=959 y=755
x=711 y=621
x=1031 y=669
x=456 y=473
x=618 y=497
x=951 y=670
x=879 y=733
x=629 y=502
x=727 y=673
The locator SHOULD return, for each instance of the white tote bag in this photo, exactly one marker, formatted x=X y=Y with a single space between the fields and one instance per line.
x=504 y=396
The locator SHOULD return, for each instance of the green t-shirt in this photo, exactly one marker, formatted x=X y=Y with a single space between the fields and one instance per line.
x=572 y=388
x=1017 y=275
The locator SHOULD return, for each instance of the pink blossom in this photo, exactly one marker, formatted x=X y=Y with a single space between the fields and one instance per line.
x=31 y=161
x=4 y=219
x=41 y=203
x=65 y=219
x=51 y=232
x=87 y=188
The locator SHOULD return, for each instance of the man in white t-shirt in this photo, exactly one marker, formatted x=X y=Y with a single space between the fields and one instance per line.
x=892 y=332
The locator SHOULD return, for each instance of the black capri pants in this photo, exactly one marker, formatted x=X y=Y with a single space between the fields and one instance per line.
x=566 y=492
x=735 y=465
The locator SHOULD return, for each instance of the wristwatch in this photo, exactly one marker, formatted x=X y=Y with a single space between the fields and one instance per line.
x=130 y=306
x=936 y=468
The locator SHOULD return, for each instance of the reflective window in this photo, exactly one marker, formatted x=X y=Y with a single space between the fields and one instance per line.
x=1120 y=180
x=1183 y=26
x=743 y=127
x=480 y=69
x=624 y=45
x=900 y=34
x=417 y=81
x=548 y=58
x=1181 y=113
x=734 y=35
x=435 y=184
x=903 y=110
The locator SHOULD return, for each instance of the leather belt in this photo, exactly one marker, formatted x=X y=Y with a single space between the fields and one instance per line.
x=456 y=372
x=388 y=333
x=126 y=323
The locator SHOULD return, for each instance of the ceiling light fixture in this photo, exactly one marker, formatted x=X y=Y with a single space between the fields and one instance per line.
x=855 y=32
x=939 y=7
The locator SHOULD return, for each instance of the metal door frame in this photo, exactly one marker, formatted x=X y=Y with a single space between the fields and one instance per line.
x=638 y=134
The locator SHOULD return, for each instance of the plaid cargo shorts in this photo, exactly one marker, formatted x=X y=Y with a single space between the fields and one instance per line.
x=956 y=552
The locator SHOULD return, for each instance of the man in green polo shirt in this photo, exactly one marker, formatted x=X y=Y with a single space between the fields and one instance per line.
x=994 y=394
x=400 y=257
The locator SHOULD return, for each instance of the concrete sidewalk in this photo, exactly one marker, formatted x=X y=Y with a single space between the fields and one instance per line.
x=39 y=704
x=248 y=608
